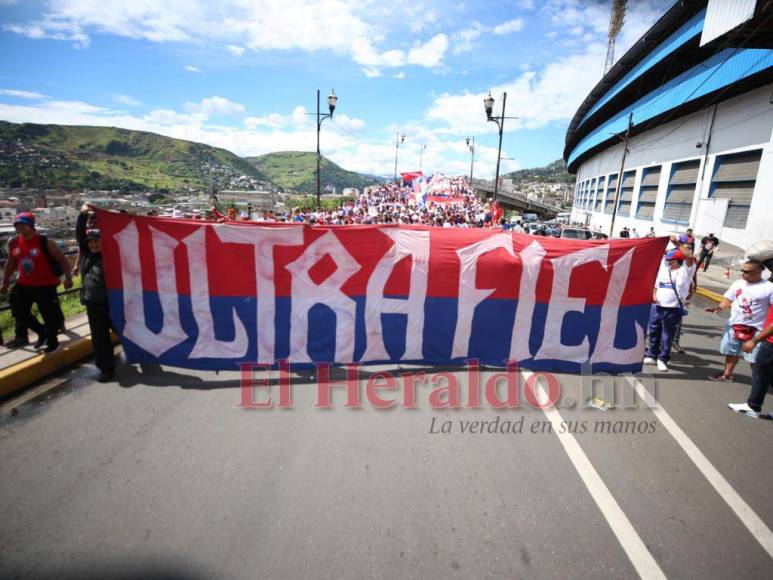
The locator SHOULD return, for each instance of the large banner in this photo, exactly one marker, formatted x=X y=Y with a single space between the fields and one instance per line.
x=211 y=296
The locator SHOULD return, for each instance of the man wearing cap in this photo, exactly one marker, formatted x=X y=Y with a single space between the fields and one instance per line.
x=37 y=281
x=94 y=295
x=672 y=288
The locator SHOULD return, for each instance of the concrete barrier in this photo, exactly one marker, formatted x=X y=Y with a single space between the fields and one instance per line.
x=709 y=294
x=26 y=372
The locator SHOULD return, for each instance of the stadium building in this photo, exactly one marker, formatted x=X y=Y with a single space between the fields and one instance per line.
x=697 y=89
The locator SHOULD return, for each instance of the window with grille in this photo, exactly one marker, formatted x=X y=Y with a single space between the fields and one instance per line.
x=626 y=194
x=648 y=193
x=591 y=194
x=599 y=193
x=609 y=198
x=734 y=179
x=681 y=190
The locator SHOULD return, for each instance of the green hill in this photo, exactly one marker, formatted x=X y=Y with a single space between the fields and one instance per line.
x=107 y=158
x=297 y=171
x=551 y=173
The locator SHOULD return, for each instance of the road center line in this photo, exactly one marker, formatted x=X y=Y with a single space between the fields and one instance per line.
x=621 y=526
x=750 y=519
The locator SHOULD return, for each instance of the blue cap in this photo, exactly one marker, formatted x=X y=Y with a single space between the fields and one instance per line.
x=684 y=239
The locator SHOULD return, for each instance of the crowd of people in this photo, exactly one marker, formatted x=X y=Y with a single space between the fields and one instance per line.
x=39 y=265
x=455 y=204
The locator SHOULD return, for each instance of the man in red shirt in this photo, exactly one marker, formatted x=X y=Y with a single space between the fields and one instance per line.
x=36 y=282
x=762 y=370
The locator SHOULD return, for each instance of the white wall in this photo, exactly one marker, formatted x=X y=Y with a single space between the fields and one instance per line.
x=742 y=123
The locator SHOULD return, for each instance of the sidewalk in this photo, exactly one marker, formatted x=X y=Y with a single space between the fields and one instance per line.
x=77 y=327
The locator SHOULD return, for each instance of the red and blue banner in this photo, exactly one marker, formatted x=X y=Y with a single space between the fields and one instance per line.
x=211 y=296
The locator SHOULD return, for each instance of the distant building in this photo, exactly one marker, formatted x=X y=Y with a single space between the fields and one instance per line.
x=698 y=85
x=257 y=200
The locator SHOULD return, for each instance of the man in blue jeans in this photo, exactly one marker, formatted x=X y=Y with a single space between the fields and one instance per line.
x=762 y=370
x=672 y=288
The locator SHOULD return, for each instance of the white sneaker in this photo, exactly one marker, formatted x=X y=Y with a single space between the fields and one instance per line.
x=662 y=366
x=744 y=408
x=649 y=360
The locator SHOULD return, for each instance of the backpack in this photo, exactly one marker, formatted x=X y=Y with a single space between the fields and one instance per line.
x=56 y=269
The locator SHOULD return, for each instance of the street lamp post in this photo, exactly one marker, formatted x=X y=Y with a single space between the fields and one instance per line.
x=488 y=105
x=331 y=103
x=398 y=139
x=421 y=154
x=471 y=147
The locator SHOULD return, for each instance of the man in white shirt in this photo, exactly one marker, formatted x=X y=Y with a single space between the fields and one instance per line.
x=672 y=287
x=749 y=300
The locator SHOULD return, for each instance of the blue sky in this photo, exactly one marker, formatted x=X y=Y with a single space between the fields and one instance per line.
x=243 y=74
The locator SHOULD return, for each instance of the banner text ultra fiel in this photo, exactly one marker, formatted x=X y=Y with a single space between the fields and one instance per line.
x=203 y=295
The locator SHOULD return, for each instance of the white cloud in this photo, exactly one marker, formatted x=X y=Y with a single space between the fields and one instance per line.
x=465 y=39
x=371 y=72
x=22 y=94
x=215 y=106
x=126 y=100
x=526 y=4
x=431 y=53
x=344 y=27
x=537 y=98
x=192 y=69
x=273 y=120
x=508 y=27
x=400 y=75
x=349 y=123
x=235 y=50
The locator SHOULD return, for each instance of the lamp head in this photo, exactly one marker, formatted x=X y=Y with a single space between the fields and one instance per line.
x=467 y=141
x=332 y=99
x=488 y=104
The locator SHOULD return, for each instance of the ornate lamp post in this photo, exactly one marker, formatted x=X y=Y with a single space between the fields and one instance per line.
x=398 y=140
x=332 y=99
x=488 y=105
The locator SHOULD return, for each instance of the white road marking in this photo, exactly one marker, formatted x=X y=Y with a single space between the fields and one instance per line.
x=750 y=519
x=621 y=526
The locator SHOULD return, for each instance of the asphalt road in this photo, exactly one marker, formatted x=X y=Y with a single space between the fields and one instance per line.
x=162 y=474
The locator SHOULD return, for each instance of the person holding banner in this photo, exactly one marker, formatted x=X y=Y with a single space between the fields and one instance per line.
x=672 y=287
x=94 y=294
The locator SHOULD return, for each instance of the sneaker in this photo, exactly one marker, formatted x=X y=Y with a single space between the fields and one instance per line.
x=105 y=377
x=648 y=360
x=745 y=409
x=722 y=377
x=40 y=342
x=677 y=348
x=662 y=366
x=50 y=349
x=17 y=342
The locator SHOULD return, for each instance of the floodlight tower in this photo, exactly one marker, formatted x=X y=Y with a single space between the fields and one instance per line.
x=616 y=21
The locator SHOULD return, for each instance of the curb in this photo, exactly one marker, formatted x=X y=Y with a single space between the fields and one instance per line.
x=709 y=294
x=33 y=369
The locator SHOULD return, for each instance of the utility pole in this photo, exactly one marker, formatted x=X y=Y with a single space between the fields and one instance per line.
x=398 y=139
x=620 y=175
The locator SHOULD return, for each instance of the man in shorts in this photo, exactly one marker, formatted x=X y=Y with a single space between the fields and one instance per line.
x=749 y=300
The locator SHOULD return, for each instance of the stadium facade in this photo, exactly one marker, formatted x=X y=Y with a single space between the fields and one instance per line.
x=698 y=91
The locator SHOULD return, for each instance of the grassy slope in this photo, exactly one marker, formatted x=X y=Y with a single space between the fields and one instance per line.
x=554 y=172
x=102 y=157
x=296 y=170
